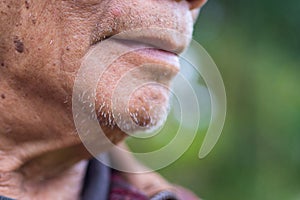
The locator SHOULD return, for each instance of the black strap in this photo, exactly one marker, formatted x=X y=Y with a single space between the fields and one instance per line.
x=164 y=195
x=96 y=182
x=5 y=198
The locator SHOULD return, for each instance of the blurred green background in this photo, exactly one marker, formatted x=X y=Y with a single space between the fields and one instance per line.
x=256 y=46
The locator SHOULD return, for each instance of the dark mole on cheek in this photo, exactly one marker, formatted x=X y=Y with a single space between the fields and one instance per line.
x=2 y=64
x=27 y=4
x=19 y=46
x=2 y=96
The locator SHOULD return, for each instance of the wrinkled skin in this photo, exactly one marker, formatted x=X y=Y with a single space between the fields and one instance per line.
x=41 y=47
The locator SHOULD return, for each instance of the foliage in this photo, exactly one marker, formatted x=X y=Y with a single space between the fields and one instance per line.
x=256 y=46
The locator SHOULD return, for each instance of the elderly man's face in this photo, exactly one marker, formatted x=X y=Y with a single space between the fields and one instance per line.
x=41 y=49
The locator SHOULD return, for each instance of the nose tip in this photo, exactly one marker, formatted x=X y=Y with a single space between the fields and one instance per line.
x=196 y=3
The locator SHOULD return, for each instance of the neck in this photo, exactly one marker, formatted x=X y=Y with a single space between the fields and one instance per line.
x=56 y=174
x=41 y=156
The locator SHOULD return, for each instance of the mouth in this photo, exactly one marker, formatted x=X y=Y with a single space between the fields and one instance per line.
x=157 y=43
x=169 y=40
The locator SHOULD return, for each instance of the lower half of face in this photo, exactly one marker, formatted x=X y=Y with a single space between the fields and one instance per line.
x=132 y=91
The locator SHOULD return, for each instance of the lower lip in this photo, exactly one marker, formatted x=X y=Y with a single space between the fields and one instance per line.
x=165 y=63
x=165 y=56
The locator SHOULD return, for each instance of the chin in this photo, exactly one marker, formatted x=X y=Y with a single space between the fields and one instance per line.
x=143 y=110
x=134 y=98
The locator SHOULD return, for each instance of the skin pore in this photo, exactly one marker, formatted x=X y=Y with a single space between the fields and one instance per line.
x=41 y=47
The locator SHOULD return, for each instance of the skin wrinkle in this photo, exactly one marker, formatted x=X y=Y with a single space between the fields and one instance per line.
x=36 y=124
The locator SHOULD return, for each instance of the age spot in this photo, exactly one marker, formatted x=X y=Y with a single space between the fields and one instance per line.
x=19 y=46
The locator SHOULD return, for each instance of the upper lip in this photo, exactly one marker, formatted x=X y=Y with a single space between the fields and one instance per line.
x=166 y=39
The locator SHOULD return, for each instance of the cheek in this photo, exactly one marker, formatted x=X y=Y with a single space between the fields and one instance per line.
x=35 y=46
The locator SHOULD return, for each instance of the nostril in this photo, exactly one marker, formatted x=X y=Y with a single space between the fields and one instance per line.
x=196 y=3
